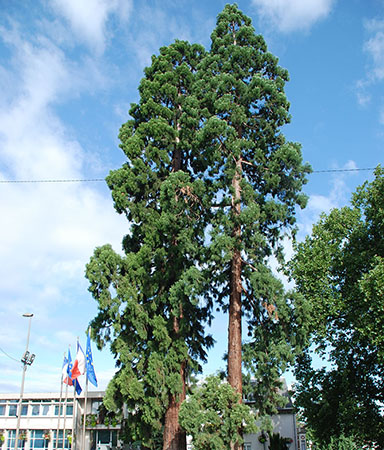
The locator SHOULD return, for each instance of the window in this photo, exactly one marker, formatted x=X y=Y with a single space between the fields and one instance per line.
x=57 y=410
x=37 y=440
x=11 y=441
x=106 y=437
x=60 y=440
x=2 y=410
x=45 y=410
x=95 y=406
x=247 y=446
x=24 y=410
x=69 y=410
x=303 y=444
x=35 y=410
x=12 y=410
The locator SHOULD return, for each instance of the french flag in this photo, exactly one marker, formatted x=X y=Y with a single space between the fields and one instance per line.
x=79 y=364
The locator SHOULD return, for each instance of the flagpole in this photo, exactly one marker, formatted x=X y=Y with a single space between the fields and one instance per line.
x=74 y=415
x=65 y=413
x=68 y=380
x=74 y=422
x=74 y=406
x=78 y=424
x=85 y=411
x=59 y=411
x=78 y=369
x=90 y=375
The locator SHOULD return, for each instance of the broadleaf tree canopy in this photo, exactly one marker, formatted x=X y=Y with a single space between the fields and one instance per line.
x=339 y=269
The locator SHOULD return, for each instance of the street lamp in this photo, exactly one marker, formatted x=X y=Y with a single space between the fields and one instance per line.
x=27 y=359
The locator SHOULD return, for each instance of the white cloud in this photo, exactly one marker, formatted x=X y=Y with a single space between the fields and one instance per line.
x=159 y=27
x=374 y=48
x=338 y=196
x=291 y=15
x=161 y=23
x=88 y=18
x=49 y=231
x=363 y=97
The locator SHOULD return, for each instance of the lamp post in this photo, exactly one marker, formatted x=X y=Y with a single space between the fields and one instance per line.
x=27 y=359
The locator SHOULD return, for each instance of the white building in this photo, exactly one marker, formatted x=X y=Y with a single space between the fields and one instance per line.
x=41 y=424
x=284 y=424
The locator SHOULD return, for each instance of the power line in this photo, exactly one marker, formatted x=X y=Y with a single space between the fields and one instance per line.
x=342 y=170
x=9 y=356
x=85 y=180
x=90 y=180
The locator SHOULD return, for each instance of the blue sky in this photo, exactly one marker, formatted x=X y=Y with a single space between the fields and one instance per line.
x=69 y=70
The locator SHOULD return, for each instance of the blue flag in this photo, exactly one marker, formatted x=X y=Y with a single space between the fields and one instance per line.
x=64 y=368
x=89 y=362
x=70 y=365
x=67 y=369
x=77 y=386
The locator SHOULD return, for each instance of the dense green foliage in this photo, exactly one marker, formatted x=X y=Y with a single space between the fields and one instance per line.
x=256 y=178
x=340 y=443
x=339 y=269
x=209 y=188
x=213 y=416
x=149 y=307
x=277 y=442
x=280 y=335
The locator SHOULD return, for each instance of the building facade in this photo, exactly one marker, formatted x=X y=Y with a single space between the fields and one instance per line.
x=48 y=423
x=283 y=423
x=44 y=421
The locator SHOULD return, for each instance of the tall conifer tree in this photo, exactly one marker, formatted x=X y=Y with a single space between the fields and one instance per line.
x=204 y=152
x=149 y=308
x=256 y=175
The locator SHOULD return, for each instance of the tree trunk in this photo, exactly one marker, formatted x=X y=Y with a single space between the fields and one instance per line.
x=234 y=315
x=234 y=326
x=174 y=437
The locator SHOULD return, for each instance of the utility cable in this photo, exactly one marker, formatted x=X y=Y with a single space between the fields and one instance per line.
x=9 y=356
x=342 y=170
x=90 y=180
x=85 y=180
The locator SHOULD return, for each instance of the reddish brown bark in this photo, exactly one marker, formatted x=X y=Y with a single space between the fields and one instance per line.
x=235 y=378
x=174 y=437
x=234 y=326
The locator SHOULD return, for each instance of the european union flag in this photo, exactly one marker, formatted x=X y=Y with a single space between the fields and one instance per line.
x=70 y=365
x=77 y=386
x=67 y=369
x=89 y=362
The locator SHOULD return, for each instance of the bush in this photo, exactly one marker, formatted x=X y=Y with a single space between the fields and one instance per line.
x=341 y=443
x=214 y=417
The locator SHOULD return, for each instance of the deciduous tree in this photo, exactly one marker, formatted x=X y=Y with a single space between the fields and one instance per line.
x=339 y=269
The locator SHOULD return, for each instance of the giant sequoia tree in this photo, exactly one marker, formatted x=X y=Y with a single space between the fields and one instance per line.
x=209 y=188
x=340 y=271
x=256 y=178
x=149 y=306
